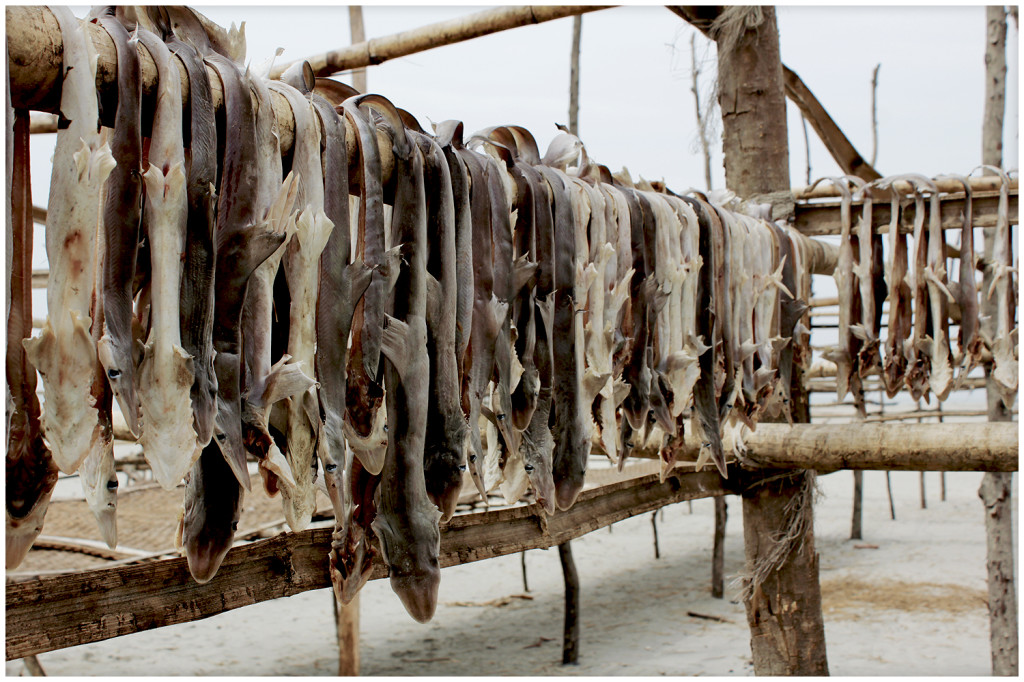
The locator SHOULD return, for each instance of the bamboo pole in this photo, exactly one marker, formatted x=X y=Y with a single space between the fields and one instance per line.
x=379 y=50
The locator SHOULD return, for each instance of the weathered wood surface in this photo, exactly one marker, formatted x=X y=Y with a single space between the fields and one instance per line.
x=379 y=50
x=48 y=613
x=838 y=145
x=903 y=447
x=822 y=218
x=887 y=447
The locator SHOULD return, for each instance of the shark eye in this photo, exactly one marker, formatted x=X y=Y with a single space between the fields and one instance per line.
x=112 y=484
x=113 y=373
x=528 y=467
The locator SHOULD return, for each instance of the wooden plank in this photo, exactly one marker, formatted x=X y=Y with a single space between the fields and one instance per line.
x=49 y=613
x=822 y=218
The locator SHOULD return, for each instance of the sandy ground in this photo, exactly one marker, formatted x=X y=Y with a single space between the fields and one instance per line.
x=908 y=599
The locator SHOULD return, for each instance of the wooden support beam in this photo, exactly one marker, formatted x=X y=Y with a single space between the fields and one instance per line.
x=54 y=612
x=379 y=50
x=841 y=149
x=821 y=218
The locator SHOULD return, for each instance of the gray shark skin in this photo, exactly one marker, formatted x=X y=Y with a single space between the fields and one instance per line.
x=31 y=471
x=407 y=521
x=122 y=217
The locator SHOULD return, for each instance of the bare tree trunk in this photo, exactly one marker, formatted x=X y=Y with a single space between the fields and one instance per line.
x=702 y=128
x=718 y=551
x=753 y=103
x=574 y=76
x=782 y=596
x=355 y=20
x=995 y=490
x=874 y=115
x=995 y=88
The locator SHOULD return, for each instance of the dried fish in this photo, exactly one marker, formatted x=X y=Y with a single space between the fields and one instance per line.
x=407 y=521
x=165 y=373
x=122 y=215
x=65 y=353
x=31 y=471
x=301 y=268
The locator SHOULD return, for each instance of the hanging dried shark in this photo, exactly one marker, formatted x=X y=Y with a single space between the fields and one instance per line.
x=301 y=269
x=265 y=382
x=122 y=216
x=165 y=373
x=407 y=521
x=65 y=353
x=31 y=471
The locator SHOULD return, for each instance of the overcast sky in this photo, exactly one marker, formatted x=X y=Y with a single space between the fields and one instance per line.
x=636 y=108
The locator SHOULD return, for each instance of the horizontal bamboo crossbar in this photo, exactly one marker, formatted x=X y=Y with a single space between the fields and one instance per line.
x=379 y=50
x=55 y=612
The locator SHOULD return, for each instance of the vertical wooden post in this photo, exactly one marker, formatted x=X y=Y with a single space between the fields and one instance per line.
x=574 y=76
x=654 y=527
x=856 y=527
x=783 y=597
x=995 y=488
x=718 y=550
x=571 y=628
x=347 y=619
x=355 y=21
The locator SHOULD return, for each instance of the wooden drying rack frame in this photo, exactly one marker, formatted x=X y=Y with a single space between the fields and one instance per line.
x=45 y=613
